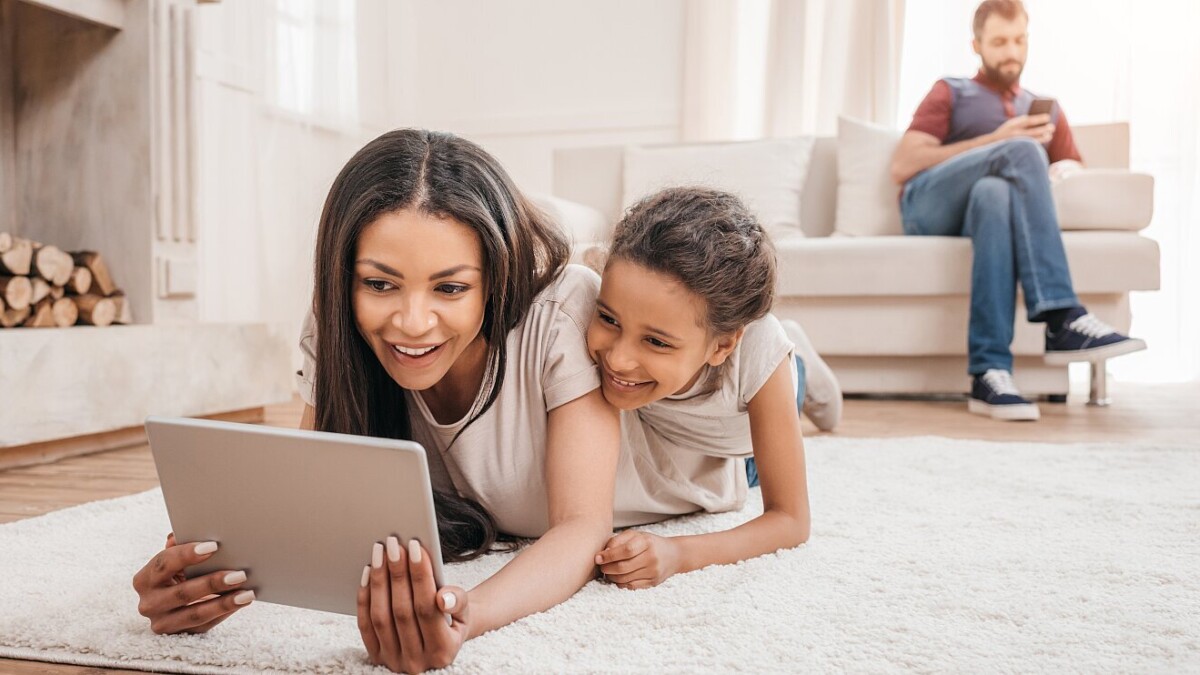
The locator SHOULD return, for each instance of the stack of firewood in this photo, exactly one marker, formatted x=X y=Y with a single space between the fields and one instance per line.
x=43 y=286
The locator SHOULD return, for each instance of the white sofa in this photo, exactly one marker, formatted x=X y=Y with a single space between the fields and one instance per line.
x=889 y=313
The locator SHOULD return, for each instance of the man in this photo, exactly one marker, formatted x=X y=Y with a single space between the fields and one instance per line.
x=974 y=163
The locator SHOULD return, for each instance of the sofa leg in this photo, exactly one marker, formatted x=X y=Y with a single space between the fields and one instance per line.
x=1098 y=394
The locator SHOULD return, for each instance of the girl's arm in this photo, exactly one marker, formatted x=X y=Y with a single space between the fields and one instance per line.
x=635 y=559
x=582 y=448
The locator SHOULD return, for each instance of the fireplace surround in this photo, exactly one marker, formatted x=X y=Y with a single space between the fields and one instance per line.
x=97 y=152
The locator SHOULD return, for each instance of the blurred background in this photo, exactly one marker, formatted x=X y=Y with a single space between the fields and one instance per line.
x=194 y=142
x=286 y=90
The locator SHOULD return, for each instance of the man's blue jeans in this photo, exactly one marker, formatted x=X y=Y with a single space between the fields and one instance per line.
x=999 y=196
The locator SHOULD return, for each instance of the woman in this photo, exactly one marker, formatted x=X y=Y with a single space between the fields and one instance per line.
x=446 y=314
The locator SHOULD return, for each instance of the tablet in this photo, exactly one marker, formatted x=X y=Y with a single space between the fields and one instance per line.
x=297 y=510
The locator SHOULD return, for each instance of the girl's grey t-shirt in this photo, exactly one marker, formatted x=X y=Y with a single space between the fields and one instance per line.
x=499 y=460
x=684 y=453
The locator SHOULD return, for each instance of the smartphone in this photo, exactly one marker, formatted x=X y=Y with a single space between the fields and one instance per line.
x=1041 y=106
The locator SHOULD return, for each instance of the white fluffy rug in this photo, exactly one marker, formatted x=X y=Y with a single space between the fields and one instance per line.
x=927 y=554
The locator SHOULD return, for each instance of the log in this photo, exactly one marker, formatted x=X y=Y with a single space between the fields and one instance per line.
x=80 y=282
x=18 y=259
x=95 y=264
x=41 y=289
x=17 y=292
x=42 y=316
x=124 y=316
x=13 y=317
x=48 y=264
x=65 y=312
x=57 y=292
x=65 y=268
x=6 y=242
x=96 y=310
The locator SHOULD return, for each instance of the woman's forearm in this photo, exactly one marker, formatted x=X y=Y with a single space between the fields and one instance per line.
x=551 y=570
x=767 y=533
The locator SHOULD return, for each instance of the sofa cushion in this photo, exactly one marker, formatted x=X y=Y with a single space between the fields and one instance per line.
x=1104 y=199
x=768 y=175
x=582 y=224
x=868 y=201
x=1101 y=262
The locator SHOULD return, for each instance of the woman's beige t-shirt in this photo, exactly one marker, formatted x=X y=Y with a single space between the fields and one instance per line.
x=684 y=453
x=499 y=460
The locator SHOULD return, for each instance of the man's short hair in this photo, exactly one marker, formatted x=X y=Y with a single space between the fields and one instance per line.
x=1009 y=9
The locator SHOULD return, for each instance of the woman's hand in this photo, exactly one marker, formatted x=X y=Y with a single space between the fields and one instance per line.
x=176 y=604
x=406 y=622
x=635 y=559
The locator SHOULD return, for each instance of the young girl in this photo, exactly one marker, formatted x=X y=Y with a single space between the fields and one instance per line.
x=444 y=312
x=704 y=377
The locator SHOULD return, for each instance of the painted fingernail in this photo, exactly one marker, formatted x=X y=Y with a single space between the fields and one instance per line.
x=204 y=548
x=393 y=549
x=243 y=598
x=449 y=600
x=377 y=555
x=414 y=550
x=235 y=578
x=366 y=575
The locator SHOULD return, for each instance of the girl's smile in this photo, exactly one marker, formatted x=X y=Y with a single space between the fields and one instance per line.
x=648 y=336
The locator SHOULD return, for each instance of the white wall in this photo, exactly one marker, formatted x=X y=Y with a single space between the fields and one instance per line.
x=520 y=77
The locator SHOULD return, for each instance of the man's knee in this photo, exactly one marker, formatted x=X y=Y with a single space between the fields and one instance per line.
x=1026 y=150
x=990 y=191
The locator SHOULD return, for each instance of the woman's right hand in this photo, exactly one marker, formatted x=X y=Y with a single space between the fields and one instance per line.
x=177 y=604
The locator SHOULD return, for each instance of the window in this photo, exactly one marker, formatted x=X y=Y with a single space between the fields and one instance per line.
x=313 y=67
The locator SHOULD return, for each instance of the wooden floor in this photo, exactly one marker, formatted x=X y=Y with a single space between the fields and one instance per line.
x=1158 y=414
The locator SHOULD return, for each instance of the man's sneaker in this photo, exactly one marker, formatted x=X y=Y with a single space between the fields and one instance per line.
x=994 y=394
x=1087 y=338
x=822 y=393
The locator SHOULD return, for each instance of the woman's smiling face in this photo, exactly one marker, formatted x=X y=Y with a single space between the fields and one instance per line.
x=648 y=336
x=419 y=295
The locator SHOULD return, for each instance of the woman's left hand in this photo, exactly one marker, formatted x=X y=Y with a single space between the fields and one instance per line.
x=635 y=559
x=406 y=622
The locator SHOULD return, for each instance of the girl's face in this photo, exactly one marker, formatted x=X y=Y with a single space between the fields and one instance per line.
x=419 y=294
x=648 y=336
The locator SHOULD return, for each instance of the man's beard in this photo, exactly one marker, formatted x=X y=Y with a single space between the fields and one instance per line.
x=1000 y=77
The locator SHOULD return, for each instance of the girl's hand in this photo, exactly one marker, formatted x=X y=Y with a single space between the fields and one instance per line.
x=635 y=559
x=176 y=604
x=406 y=622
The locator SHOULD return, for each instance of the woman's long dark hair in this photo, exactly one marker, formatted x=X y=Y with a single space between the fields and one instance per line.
x=447 y=177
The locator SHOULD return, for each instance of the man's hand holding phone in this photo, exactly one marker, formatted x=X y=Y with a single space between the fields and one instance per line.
x=1037 y=127
x=1036 y=124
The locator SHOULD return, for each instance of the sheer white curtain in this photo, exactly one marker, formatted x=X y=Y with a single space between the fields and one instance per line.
x=756 y=68
x=313 y=59
x=279 y=112
x=1107 y=60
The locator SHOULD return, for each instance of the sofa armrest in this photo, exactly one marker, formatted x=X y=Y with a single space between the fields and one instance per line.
x=583 y=225
x=1104 y=199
